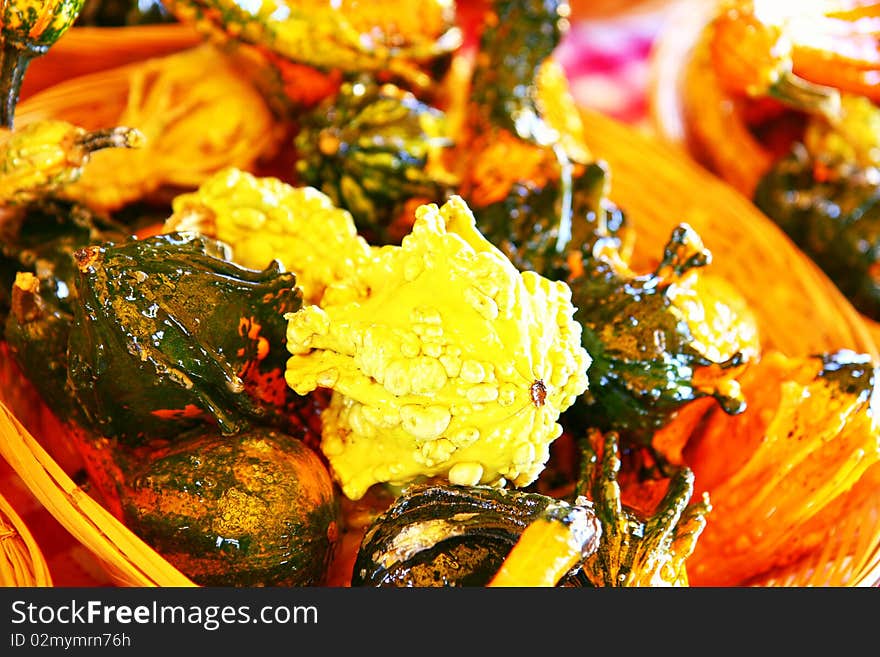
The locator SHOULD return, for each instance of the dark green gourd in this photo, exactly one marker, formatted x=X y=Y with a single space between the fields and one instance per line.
x=643 y=349
x=168 y=334
x=447 y=536
x=372 y=148
x=256 y=508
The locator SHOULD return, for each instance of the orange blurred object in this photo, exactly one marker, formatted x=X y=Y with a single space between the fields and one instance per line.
x=83 y=50
x=808 y=435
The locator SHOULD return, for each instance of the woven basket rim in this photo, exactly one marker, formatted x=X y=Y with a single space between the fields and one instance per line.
x=14 y=529
x=127 y=558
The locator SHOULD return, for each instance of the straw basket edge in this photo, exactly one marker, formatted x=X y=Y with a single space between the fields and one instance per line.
x=21 y=560
x=127 y=559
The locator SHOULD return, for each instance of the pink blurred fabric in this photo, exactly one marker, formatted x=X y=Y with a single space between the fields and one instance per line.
x=607 y=62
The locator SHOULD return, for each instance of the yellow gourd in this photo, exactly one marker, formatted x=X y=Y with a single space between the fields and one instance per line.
x=264 y=219
x=49 y=154
x=444 y=360
x=195 y=125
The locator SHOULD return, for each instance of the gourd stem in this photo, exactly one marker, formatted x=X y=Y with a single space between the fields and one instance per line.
x=14 y=60
x=563 y=237
x=119 y=137
x=801 y=94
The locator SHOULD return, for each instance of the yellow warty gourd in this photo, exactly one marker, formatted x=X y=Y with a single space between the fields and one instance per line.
x=264 y=219
x=46 y=155
x=444 y=360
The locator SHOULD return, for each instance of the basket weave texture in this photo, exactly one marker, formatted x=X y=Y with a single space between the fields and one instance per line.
x=21 y=560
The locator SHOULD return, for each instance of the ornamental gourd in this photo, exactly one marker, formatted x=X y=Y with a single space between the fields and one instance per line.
x=169 y=334
x=219 y=120
x=312 y=44
x=441 y=535
x=526 y=224
x=256 y=508
x=28 y=28
x=647 y=524
x=38 y=294
x=376 y=151
x=44 y=156
x=659 y=340
x=263 y=219
x=443 y=360
x=519 y=109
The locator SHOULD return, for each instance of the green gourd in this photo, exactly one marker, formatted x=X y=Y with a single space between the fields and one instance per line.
x=257 y=508
x=372 y=148
x=168 y=334
x=28 y=28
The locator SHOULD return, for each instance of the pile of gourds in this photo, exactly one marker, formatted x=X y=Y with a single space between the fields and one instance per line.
x=404 y=339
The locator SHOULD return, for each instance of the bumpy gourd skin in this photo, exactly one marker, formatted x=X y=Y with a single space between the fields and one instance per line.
x=44 y=156
x=443 y=358
x=372 y=148
x=264 y=219
x=648 y=337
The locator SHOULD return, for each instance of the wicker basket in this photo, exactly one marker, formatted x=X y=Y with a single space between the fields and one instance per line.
x=21 y=560
x=659 y=188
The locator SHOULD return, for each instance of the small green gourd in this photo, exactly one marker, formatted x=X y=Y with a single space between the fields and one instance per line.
x=257 y=508
x=28 y=28
x=170 y=334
